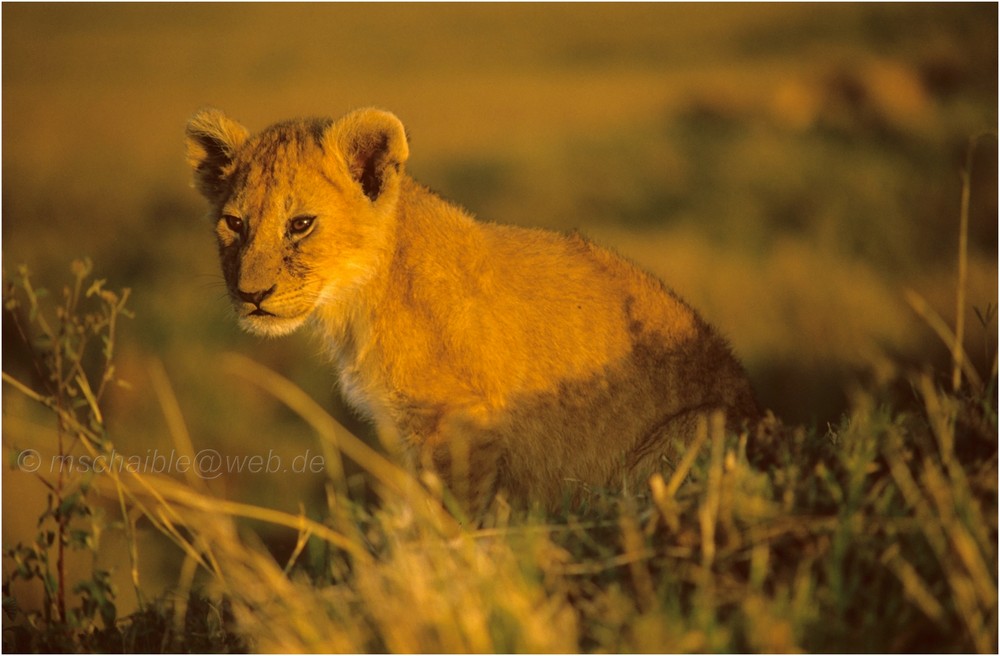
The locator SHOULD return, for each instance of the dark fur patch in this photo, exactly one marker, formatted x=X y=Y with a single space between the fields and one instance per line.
x=317 y=130
x=229 y=256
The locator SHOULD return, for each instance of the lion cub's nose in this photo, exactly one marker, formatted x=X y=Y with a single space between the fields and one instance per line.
x=255 y=297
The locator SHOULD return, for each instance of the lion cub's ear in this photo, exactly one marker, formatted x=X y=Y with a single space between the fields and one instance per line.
x=373 y=144
x=212 y=141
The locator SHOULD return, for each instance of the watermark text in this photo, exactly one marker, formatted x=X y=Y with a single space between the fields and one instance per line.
x=207 y=463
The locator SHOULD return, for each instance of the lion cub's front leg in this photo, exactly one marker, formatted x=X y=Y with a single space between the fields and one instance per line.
x=468 y=464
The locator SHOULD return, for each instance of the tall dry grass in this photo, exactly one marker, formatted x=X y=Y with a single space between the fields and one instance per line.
x=879 y=535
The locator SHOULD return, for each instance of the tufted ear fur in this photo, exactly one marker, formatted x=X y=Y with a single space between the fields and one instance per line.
x=373 y=144
x=212 y=141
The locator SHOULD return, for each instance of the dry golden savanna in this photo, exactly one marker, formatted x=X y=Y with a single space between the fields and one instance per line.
x=819 y=181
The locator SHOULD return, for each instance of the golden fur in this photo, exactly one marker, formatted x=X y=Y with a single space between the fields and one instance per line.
x=506 y=359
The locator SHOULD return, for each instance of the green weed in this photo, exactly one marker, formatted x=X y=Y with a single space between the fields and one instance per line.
x=72 y=345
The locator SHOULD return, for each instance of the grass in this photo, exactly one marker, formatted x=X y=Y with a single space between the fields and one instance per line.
x=878 y=535
x=796 y=173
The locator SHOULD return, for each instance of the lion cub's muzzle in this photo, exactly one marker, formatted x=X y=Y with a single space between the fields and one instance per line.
x=256 y=299
x=264 y=313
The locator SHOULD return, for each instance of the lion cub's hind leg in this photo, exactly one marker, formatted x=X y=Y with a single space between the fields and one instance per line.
x=667 y=444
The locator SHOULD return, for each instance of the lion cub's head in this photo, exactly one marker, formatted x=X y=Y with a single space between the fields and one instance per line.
x=302 y=210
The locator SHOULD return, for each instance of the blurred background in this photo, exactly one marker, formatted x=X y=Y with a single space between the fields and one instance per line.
x=788 y=169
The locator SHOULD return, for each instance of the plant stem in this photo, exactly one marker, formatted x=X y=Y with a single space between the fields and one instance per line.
x=963 y=246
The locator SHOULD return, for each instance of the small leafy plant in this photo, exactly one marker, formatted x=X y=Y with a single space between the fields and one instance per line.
x=72 y=355
x=70 y=341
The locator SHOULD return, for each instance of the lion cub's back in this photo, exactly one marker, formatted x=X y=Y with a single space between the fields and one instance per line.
x=567 y=290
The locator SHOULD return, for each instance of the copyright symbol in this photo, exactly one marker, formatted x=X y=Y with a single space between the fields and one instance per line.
x=208 y=464
x=29 y=460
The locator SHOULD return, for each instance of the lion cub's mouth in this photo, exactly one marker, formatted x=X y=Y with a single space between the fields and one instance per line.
x=268 y=324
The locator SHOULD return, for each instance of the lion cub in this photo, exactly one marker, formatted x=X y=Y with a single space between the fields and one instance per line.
x=505 y=359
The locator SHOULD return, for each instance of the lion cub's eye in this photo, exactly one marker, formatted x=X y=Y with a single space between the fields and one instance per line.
x=234 y=223
x=300 y=224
